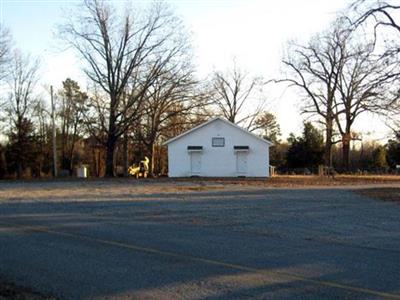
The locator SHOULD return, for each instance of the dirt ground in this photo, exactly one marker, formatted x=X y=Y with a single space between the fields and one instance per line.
x=307 y=181
x=124 y=188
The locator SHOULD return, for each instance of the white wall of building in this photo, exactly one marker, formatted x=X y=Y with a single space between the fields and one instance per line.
x=218 y=161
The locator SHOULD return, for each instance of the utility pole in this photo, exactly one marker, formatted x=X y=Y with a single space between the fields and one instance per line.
x=54 y=133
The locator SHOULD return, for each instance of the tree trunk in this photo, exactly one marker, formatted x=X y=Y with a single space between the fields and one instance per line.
x=3 y=165
x=111 y=139
x=346 y=151
x=126 y=155
x=71 y=153
x=96 y=161
x=71 y=158
x=111 y=142
x=19 y=151
x=328 y=146
x=19 y=168
x=152 y=157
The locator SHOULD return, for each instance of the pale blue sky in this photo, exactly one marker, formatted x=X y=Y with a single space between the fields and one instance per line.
x=252 y=31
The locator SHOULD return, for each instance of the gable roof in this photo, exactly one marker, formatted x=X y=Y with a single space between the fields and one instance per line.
x=211 y=121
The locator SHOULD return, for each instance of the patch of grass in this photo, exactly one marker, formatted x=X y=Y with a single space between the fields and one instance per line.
x=383 y=194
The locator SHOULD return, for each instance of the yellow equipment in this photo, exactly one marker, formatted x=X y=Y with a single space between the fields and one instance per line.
x=140 y=170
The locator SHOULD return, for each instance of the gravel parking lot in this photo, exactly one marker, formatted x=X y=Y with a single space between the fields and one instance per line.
x=216 y=244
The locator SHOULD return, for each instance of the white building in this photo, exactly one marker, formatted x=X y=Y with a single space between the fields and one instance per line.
x=218 y=148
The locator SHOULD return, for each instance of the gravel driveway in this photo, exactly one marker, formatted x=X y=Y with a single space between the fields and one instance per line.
x=274 y=244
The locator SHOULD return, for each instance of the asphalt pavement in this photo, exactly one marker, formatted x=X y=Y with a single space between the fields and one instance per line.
x=267 y=244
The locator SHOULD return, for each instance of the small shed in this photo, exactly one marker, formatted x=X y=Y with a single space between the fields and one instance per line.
x=218 y=148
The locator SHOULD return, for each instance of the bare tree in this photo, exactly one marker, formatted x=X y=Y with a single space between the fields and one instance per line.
x=178 y=123
x=5 y=50
x=384 y=16
x=382 y=13
x=41 y=119
x=117 y=51
x=315 y=69
x=343 y=77
x=70 y=111
x=237 y=96
x=366 y=83
x=171 y=95
x=20 y=104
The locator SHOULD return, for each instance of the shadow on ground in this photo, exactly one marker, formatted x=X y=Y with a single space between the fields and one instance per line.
x=278 y=244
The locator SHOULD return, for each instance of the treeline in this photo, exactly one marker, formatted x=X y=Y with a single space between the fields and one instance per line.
x=305 y=153
x=143 y=89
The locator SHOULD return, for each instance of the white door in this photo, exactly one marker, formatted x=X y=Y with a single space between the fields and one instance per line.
x=195 y=163
x=241 y=162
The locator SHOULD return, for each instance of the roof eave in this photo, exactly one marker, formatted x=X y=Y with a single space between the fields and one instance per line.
x=212 y=120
